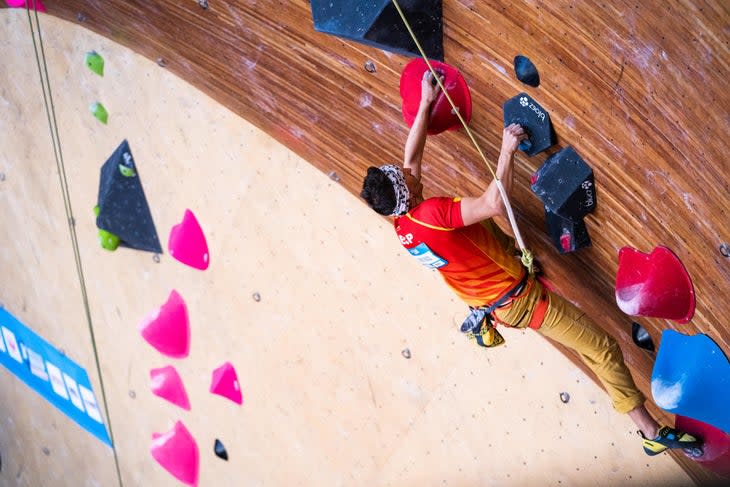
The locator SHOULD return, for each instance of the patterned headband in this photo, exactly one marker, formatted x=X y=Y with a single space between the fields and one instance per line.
x=395 y=174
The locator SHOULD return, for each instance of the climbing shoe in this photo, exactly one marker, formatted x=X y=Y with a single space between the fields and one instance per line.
x=669 y=438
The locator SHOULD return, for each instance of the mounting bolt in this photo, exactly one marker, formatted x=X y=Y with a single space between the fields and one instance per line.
x=46 y=451
x=161 y=62
x=203 y=3
x=565 y=397
x=256 y=297
x=156 y=258
x=370 y=66
x=725 y=250
x=132 y=394
x=334 y=177
x=81 y=17
x=406 y=353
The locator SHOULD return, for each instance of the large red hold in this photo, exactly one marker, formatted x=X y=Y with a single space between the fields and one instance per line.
x=442 y=115
x=655 y=285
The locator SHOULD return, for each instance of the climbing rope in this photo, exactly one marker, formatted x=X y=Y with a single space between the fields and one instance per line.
x=58 y=155
x=527 y=257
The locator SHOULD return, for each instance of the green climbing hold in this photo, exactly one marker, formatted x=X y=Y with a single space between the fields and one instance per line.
x=98 y=110
x=95 y=62
x=127 y=172
x=107 y=240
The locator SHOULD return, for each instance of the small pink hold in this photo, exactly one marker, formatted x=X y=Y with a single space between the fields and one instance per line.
x=38 y=4
x=168 y=328
x=187 y=243
x=177 y=452
x=225 y=383
x=167 y=384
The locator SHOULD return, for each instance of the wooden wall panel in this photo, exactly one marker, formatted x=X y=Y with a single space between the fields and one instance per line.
x=638 y=88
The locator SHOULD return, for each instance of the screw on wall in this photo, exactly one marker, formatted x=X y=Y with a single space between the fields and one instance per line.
x=46 y=451
x=406 y=353
x=81 y=17
x=370 y=66
x=334 y=176
x=161 y=62
x=132 y=394
x=203 y=3
x=725 y=250
x=156 y=258
x=256 y=297
x=565 y=397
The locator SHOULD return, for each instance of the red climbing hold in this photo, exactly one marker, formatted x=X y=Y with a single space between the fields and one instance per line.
x=177 y=452
x=225 y=383
x=167 y=384
x=187 y=243
x=655 y=285
x=32 y=4
x=168 y=328
x=716 y=449
x=442 y=115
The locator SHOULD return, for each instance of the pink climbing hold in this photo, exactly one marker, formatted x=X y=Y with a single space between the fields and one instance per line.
x=37 y=4
x=655 y=285
x=442 y=115
x=225 y=383
x=187 y=243
x=177 y=452
x=168 y=328
x=167 y=384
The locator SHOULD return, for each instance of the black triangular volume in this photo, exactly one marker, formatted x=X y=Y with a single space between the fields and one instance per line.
x=123 y=208
x=377 y=23
x=220 y=450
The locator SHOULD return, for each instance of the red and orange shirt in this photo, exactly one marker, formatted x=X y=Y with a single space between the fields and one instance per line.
x=476 y=261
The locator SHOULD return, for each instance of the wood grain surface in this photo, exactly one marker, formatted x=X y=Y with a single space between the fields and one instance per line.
x=639 y=89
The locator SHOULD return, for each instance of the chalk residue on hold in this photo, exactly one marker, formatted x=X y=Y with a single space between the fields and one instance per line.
x=667 y=394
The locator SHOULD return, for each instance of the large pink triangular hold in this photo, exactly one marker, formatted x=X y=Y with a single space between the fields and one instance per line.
x=167 y=328
x=655 y=285
x=167 y=384
x=225 y=383
x=177 y=452
x=37 y=4
x=187 y=243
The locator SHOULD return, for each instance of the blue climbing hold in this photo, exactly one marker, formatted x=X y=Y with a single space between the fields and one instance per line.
x=691 y=378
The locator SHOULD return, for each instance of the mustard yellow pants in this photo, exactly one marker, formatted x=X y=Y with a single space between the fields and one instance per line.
x=569 y=326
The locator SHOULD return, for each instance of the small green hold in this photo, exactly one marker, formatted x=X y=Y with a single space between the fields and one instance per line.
x=127 y=172
x=95 y=62
x=98 y=110
x=107 y=240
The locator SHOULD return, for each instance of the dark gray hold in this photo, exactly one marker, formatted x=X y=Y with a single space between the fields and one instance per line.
x=725 y=250
x=220 y=450
x=641 y=337
x=526 y=71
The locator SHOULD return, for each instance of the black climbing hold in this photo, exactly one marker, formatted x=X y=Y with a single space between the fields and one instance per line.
x=565 y=185
x=123 y=208
x=525 y=111
x=377 y=23
x=641 y=337
x=526 y=71
x=220 y=450
x=567 y=235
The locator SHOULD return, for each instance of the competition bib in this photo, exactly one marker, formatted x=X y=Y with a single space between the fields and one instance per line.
x=426 y=256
